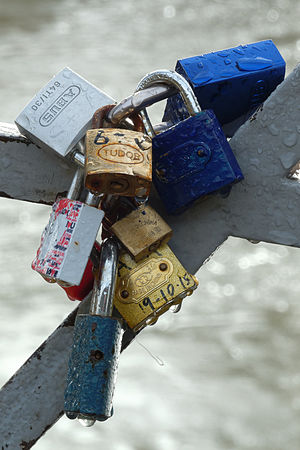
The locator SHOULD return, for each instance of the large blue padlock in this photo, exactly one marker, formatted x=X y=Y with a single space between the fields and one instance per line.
x=96 y=348
x=193 y=158
x=231 y=82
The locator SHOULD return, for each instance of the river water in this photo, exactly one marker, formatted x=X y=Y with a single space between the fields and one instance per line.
x=225 y=371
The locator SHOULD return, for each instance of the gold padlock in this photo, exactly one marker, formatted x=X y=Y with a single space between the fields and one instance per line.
x=118 y=161
x=142 y=231
x=145 y=290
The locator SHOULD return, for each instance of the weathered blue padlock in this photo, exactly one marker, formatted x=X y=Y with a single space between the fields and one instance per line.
x=192 y=158
x=231 y=82
x=96 y=347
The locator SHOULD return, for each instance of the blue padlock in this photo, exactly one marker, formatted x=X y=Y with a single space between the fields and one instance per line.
x=193 y=158
x=232 y=82
x=96 y=348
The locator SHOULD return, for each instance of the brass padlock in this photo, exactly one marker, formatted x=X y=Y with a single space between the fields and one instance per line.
x=145 y=290
x=118 y=161
x=142 y=231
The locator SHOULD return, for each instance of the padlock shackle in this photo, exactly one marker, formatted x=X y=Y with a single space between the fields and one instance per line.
x=76 y=185
x=92 y=200
x=154 y=87
x=174 y=79
x=105 y=281
x=140 y=100
x=102 y=113
x=171 y=78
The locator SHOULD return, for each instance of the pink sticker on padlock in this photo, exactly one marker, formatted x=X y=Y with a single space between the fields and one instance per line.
x=67 y=241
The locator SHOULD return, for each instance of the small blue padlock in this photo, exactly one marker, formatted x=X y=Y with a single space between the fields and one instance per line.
x=232 y=82
x=192 y=158
x=96 y=348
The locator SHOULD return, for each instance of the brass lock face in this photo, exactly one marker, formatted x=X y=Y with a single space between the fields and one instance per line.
x=145 y=290
x=142 y=231
x=118 y=162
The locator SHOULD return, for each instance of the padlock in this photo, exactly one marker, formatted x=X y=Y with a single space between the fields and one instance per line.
x=96 y=347
x=60 y=113
x=142 y=231
x=231 y=82
x=118 y=161
x=81 y=291
x=115 y=207
x=68 y=238
x=148 y=288
x=193 y=158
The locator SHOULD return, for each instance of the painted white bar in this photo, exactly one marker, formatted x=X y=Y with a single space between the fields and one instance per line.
x=29 y=173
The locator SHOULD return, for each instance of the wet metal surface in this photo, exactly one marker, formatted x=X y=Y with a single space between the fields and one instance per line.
x=235 y=385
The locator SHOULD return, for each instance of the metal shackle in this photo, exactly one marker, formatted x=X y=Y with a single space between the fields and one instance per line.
x=76 y=185
x=174 y=79
x=101 y=114
x=105 y=282
x=139 y=100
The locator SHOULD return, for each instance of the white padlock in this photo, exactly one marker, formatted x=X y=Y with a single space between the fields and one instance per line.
x=61 y=112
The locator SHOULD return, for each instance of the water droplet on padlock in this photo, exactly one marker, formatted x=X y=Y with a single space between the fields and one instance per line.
x=66 y=73
x=86 y=421
x=176 y=308
x=249 y=64
x=139 y=201
x=253 y=241
x=71 y=415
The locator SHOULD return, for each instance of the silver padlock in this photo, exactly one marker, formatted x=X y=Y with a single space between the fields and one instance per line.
x=68 y=239
x=61 y=112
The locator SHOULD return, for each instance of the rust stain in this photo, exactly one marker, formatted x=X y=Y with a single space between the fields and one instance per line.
x=4 y=194
x=95 y=357
x=38 y=353
x=26 y=445
x=21 y=139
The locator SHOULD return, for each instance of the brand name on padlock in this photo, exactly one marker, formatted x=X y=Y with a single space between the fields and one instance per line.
x=56 y=108
x=121 y=155
x=145 y=279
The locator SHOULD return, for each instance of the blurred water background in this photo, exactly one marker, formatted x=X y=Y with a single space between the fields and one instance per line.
x=228 y=374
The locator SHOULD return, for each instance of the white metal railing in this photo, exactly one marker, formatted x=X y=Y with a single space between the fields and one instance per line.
x=264 y=207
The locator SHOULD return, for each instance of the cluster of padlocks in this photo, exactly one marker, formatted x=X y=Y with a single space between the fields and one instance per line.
x=133 y=275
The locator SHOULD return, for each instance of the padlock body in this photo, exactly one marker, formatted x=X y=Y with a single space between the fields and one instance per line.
x=142 y=231
x=118 y=162
x=61 y=112
x=67 y=241
x=147 y=289
x=192 y=159
x=231 y=82
x=93 y=366
x=86 y=285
